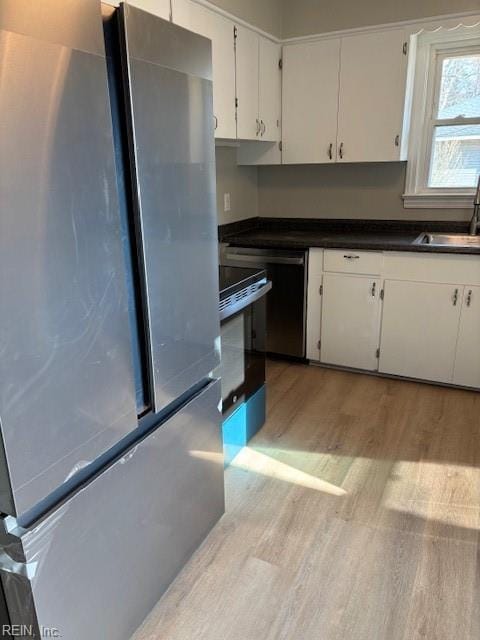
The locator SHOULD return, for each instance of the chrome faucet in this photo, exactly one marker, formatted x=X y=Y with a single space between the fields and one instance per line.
x=475 y=221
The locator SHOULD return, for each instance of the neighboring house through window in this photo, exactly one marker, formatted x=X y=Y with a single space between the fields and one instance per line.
x=444 y=139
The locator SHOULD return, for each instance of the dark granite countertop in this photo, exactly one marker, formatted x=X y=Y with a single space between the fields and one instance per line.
x=389 y=235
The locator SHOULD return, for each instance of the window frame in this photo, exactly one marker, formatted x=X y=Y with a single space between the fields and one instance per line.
x=431 y=50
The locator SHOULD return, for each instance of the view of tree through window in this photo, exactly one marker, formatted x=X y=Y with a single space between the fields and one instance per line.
x=455 y=160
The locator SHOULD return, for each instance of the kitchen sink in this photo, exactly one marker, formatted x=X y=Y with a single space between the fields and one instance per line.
x=448 y=240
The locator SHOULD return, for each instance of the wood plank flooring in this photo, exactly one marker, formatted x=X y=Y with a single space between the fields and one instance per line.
x=353 y=515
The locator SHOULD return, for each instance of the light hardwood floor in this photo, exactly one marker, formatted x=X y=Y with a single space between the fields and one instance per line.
x=353 y=515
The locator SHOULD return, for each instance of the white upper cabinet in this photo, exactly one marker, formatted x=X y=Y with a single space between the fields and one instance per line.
x=343 y=99
x=269 y=109
x=310 y=101
x=467 y=361
x=247 y=68
x=160 y=8
x=372 y=95
x=270 y=90
x=220 y=31
x=269 y=116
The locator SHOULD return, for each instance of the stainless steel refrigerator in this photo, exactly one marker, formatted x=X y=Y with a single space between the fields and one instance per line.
x=111 y=467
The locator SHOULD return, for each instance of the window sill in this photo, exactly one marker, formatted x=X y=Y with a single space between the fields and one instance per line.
x=438 y=201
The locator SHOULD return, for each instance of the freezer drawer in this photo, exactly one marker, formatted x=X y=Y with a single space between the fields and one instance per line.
x=96 y=566
x=66 y=378
x=168 y=72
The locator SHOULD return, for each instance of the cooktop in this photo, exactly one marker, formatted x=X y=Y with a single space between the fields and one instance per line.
x=234 y=279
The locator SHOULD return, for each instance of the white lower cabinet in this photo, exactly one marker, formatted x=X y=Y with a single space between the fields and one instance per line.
x=350 y=320
x=419 y=329
x=314 y=317
x=467 y=361
x=314 y=303
x=415 y=316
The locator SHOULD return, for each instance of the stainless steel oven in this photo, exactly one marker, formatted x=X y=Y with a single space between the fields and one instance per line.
x=243 y=334
x=286 y=305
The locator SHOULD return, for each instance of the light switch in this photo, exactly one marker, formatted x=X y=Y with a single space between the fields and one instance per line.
x=226 y=202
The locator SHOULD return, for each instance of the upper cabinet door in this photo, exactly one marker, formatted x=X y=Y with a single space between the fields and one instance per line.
x=310 y=102
x=372 y=97
x=270 y=90
x=467 y=362
x=220 y=31
x=160 y=8
x=248 y=123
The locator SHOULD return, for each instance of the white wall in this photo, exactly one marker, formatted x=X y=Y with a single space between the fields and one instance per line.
x=264 y=14
x=304 y=17
x=365 y=191
x=240 y=183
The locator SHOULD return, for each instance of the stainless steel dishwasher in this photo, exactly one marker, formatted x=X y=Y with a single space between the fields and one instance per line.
x=286 y=303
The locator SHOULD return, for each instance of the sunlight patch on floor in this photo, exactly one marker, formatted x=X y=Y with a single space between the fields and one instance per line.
x=434 y=491
x=266 y=462
x=257 y=462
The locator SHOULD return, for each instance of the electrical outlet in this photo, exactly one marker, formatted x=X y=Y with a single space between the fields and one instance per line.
x=227 y=206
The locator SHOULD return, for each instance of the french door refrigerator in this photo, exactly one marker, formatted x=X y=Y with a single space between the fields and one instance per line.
x=111 y=469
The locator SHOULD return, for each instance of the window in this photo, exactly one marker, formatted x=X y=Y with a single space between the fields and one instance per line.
x=455 y=124
x=444 y=146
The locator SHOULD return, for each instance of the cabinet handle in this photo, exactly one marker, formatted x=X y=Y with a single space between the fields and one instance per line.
x=258 y=126
x=330 y=151
x=469 y=298
x=374 y=289
x=455 y=297
x=340 y=151
x=397 y=140
x=351 y=257
x=263 y=128
x=215 y=120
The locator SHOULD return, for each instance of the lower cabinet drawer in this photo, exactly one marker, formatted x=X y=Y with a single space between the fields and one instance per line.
x=356 y=262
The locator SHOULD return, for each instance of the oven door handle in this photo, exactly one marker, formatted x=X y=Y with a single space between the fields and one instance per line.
x=245 y=302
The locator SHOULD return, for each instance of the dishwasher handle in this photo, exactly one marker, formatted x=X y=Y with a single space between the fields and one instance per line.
x=265 y=259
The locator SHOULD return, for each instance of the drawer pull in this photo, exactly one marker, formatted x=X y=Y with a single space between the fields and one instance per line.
x=351 y=257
